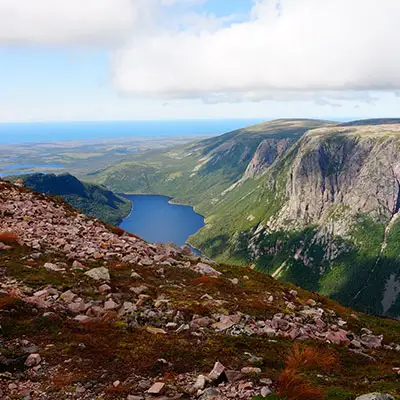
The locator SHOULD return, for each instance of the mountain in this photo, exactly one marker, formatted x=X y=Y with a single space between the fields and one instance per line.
x=88 y=311
x=312 y=202
x=92 y=199
x=332 y=221
x=199 y=172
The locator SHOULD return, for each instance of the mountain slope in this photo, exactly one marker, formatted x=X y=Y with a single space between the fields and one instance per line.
x=312 y=202
x=198 y=173
x=89 y=312
x=93 y=200
x=325 y=216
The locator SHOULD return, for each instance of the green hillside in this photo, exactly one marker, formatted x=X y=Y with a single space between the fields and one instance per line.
x=93 y=200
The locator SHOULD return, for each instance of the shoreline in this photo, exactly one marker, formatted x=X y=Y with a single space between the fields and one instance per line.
x=170 y=201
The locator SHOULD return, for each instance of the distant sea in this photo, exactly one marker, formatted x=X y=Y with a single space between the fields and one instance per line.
x=59 y=131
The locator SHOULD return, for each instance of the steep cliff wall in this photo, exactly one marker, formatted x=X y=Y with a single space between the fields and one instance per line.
x=322 y=214
x=359 y=168
x=267 y=152
x=337 y=230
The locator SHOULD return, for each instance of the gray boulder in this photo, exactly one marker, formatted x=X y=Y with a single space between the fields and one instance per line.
x=375 y=396
x=99 y=274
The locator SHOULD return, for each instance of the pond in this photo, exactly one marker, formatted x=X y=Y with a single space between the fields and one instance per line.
x=155 y=219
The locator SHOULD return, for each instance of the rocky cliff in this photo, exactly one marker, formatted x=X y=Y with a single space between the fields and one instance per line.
x=267 y=152
x=357 y=167
x=335 y=228
x=91 y=312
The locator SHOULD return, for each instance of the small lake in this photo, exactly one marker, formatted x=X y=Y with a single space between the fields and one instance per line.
x=154 y=219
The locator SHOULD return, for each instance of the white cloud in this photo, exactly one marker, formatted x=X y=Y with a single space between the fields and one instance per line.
x=312 y=50
x=304 y=45
x=67 y=22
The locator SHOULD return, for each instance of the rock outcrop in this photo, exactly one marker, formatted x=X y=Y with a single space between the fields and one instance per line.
x=267 y=152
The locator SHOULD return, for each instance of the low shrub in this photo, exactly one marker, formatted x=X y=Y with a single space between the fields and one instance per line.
x=8 y=238
x=310 y=357
x=293 y=386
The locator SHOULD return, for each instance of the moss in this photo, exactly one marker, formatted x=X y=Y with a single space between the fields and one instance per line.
x=338 y=393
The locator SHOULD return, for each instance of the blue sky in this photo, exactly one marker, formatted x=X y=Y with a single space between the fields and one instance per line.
x=173 y=59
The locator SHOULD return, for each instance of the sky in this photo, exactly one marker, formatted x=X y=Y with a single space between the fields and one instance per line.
x=74 y=60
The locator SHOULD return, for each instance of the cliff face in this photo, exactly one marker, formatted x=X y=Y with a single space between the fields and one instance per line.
x=267 y=152
x=323 y=214
x=337 y=229
x=359 y=169
x=312 y=202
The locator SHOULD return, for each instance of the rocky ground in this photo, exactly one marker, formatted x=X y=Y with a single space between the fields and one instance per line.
x=88 y=311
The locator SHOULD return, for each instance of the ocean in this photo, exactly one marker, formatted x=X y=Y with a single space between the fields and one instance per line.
x=59 y=131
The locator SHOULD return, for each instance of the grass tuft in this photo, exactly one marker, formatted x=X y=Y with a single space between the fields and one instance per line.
x=8 y=238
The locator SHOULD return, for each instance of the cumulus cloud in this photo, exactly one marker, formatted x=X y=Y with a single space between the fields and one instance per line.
x=67 y=22
x=286 y=45
x=285 y=49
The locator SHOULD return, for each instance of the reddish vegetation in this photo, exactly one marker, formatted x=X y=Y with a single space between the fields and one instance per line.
x=64 y=379
x=8 y=238
x=207 y=280
x=7 y=301
x=310 y=357
x=119 y=231
x=115 y=229
x=291 y=384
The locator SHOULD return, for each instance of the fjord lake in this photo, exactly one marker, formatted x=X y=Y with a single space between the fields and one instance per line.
x=155 y=219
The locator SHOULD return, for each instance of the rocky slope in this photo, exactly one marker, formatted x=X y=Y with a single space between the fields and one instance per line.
x=90 y=312
x=94 y=200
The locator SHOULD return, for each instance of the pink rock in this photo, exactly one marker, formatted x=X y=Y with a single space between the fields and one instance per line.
x=104 y=288
x=233 y=376
x=33 y=360
x=371 y=341
x=250 y=370
x=227 y=322
x=157 y=388
x=217 y=371
x=338 y=337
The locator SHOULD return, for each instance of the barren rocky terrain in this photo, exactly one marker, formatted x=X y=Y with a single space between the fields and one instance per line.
x=88 y=311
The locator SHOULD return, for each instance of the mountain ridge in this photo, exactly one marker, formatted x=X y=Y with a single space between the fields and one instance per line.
x=93 y=200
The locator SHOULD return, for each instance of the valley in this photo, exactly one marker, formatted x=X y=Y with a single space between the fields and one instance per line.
x=308 y=201
x=79 y=157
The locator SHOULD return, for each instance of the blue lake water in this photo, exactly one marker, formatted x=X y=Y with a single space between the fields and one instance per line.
x=55 y=131
x=154 y=219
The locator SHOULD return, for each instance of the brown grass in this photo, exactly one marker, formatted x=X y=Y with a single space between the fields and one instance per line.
x=310 y=357
x=64 y=379
x=207 y=280
x=7 y=301
x=293 y=386
x=8 y=238
x=117 y=230
x=291 y=383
